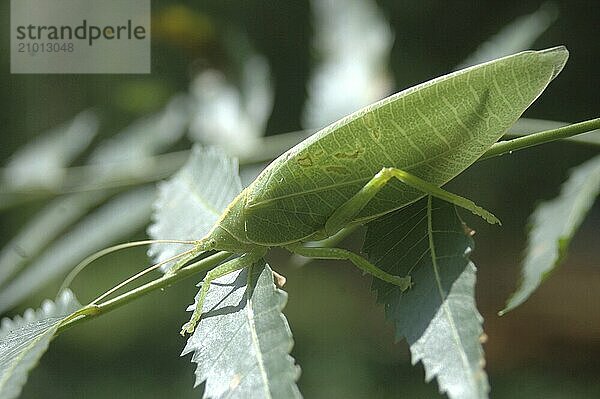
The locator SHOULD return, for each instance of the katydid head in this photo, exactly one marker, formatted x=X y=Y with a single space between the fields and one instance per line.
x=221 y=239
x=217 y=238
x=229 y=232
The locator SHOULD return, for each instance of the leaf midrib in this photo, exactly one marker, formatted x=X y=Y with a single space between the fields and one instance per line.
x=193 y=191
x=444 y=303
x=254 y=336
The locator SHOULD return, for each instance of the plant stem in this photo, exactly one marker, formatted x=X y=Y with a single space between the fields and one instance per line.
x=91 y=311
x=507 y=147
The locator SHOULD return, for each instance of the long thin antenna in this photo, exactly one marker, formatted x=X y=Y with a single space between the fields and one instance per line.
x=140 y=274
x=84 y=263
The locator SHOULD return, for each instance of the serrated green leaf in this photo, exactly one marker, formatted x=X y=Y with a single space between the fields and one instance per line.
x=24 y=339
x=115 y=220
x=243 y=342
x=190 y=203
x=516 y=36
x=437 y=316
x=552 y=226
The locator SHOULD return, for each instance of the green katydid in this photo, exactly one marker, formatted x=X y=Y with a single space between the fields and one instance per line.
x=372 y=162
x=377 y=160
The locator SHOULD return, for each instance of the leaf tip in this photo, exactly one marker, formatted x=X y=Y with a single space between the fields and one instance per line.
x=511 y=304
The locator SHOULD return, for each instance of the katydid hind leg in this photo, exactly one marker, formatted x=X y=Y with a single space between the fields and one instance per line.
x=228 y=267
x=351 y=208
x=363 y=264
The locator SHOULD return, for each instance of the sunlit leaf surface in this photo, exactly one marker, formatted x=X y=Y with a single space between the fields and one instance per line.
x=24 y=339
x=191 y=201
x=243 y=342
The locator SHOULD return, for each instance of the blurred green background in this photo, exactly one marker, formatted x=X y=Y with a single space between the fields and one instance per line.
x=548 y=348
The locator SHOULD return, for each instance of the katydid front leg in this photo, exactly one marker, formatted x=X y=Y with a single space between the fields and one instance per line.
x=247 y=259
x=343 y=254
x=181 y=262
x=348 y=211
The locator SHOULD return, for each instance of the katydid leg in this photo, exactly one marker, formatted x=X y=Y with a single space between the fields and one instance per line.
x=230 y=266
x=181 y=262
x=199 y=247
x=351 y=208
x=360 y=262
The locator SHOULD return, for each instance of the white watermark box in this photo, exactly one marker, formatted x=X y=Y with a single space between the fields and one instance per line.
x=80 y=36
